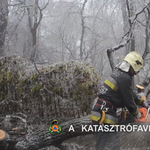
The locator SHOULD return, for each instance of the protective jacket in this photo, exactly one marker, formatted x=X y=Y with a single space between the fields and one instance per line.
x=117 y=90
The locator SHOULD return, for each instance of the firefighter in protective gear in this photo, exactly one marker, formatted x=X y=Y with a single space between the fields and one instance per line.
x=116 y=92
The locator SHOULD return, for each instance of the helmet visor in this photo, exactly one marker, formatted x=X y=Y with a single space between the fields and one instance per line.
x=124 y=66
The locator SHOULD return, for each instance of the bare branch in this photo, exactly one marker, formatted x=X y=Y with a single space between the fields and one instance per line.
x=40 y=18
x=17 y=4
x=93 y=32
x=113 y=49
x=66 y=45
x=129 y=15
x=141 y=23
x=37 y=68
x=29 y=18
x=134 y=20
x=45 y=5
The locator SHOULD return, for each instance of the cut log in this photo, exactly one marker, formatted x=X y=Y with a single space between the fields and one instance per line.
x=2 y=135
x=43 y=138
x=3 y=140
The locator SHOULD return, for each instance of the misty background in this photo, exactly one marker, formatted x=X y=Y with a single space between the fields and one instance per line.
x=43 y=33
x=52 y=31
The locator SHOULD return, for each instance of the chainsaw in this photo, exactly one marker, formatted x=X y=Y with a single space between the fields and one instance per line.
x=129 y=118
x=145 y=115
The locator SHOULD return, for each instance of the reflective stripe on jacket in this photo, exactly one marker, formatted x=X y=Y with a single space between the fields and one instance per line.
x=100 y=117
x=109 y=119
x=118 y=90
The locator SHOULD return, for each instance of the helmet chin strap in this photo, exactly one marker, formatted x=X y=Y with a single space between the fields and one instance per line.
x=131 y=71
x=137 y=72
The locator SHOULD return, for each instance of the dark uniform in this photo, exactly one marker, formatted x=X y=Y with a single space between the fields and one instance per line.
x=116 y=92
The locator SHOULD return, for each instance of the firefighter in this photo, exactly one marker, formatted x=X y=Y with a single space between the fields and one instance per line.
x=116 y=92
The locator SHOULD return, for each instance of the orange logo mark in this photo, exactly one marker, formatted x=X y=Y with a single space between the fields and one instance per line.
x=55 y=128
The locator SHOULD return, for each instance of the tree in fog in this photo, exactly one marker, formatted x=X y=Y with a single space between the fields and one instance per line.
x=34 y=17
x=24 y=20
x=3 y=24
x=79 y=30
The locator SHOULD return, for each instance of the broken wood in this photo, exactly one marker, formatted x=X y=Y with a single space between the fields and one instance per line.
x=43 y=138
x=3 y=140
x=113 y=49
x=2 y=135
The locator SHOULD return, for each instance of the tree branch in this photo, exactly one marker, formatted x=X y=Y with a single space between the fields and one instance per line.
x=134 y=19
x=109 y=51
x=113 y=49
x=17 y=4
x=45 y=5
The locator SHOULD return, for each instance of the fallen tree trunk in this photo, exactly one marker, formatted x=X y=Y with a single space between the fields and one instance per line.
x=43 y=138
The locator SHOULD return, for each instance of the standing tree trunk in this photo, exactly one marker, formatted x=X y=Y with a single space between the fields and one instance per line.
x=34 y=17
x=125 y=21
x=146 y=82
x=147 y=31
x=127 y=7
x=3 y=24
x=83 y=29
x=131 y=10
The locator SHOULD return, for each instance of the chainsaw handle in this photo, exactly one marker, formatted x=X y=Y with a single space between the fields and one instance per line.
x=148 y=110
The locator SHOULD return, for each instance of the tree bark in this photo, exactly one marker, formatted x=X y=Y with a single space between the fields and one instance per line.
x=83 y=30
x=146 y=82
x=43 y=138
x=33 y=29
x=130 y=8
x=34 y=21
x=3 y=24
x=147 y=31
x=125 y=21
